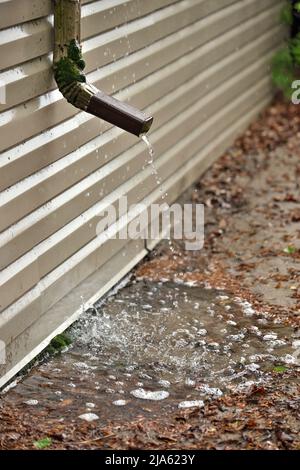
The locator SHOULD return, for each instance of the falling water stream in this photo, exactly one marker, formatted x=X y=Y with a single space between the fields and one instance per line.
x=151 y=162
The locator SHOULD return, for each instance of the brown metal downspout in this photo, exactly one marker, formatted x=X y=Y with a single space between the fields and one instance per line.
x=71 y=81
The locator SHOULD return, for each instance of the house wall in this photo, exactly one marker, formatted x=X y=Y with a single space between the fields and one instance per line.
x=200 y=67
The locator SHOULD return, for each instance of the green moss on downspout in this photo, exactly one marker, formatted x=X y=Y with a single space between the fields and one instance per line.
x=69 y=69
x=68 y=61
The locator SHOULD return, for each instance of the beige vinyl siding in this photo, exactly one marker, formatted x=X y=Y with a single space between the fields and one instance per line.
x=200 y=67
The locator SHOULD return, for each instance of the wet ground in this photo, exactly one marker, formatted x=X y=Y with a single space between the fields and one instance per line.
x=199 y=349
x=154 y=347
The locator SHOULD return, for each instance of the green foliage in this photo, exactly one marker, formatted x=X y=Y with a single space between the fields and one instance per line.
x=280 y=369
x=67 y=72
x=287 y=60
x=69 y=69
x=295 y=49
x=58 y=343
x=286 y=14
x=43 y=443
x=75 y=54
x=283 y=70
x=290 y=250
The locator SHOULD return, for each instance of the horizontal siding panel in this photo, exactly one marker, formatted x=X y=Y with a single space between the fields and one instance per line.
x=14 y=12
x=35 y=38
x=98 y=15
x=22 y=43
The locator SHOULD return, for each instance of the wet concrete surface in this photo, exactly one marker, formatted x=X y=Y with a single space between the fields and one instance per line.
x=156 y=347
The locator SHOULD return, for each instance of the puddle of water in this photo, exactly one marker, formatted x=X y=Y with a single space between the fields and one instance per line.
x=157 y=346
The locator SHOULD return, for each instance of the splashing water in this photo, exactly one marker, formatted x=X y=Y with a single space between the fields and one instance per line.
x=151 y=151
x=152 y=164
x=167 y=344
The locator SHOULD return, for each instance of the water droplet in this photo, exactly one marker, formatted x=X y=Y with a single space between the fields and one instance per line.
x=89 y=417
x=191 y=404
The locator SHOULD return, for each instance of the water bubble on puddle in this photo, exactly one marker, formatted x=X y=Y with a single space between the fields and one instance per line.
x=223 y=297
x=202 y=332
x=148 y=395
x=255 y=330
x=262 y=321
x=165 y=310
x=190 y=382
x=214 y=346
x=277 y=343
x=164 y=383
x=270 y=336
x=120 y=402
x=205 y=389
x=191 y=283
x=143 y=375
x=31 y=402
x=89 y=417
x=147 y=307
x=246 y=306
x=191 y=404
x=83 y=365
x=249 y=311
x=238 y=337
x=289 y=359
x=246 y=386
x=252 y=367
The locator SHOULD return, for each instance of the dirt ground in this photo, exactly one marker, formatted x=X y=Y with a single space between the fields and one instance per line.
x=252 y=249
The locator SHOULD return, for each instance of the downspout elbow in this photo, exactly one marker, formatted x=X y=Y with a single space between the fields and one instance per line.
x=72 y=82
